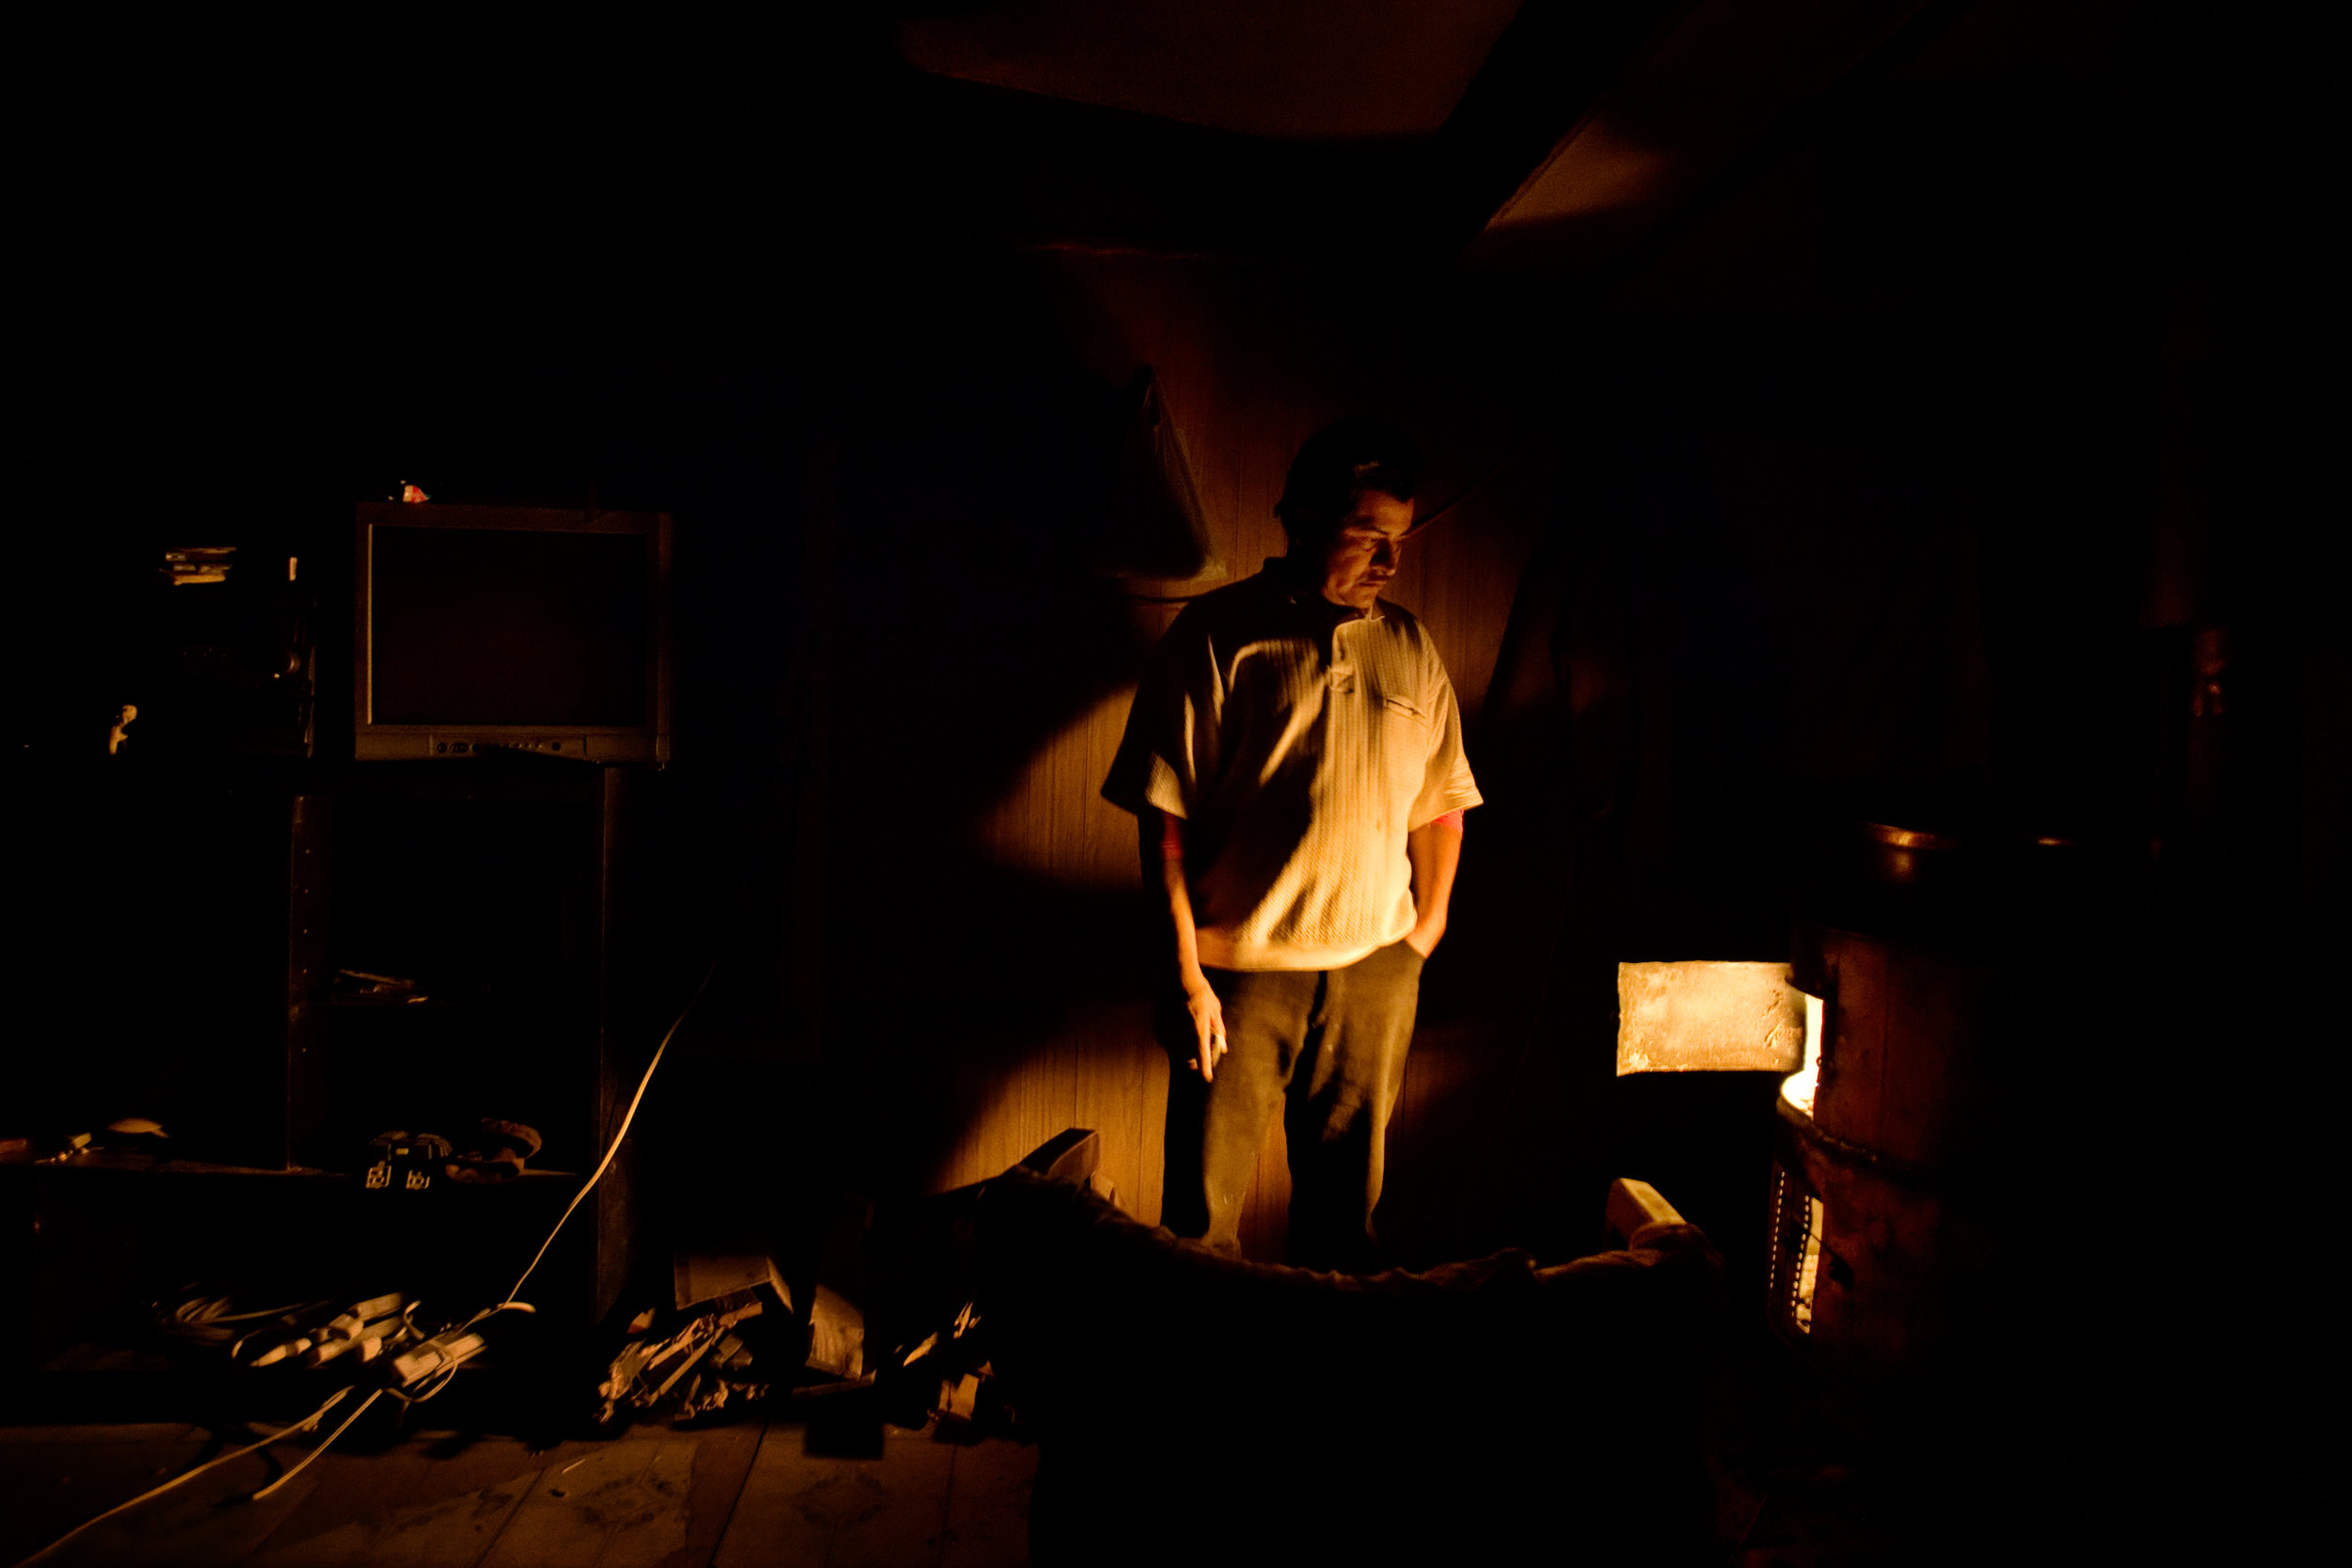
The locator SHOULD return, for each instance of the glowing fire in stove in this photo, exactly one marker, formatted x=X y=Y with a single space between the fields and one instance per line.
x=1797 y=1088
x=1809 y=1270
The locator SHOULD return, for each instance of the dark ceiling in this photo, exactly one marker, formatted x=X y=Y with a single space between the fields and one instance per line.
x=1551 y=136
x=1306 y=70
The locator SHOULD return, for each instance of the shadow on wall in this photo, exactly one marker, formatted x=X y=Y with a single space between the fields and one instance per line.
x=982 y=939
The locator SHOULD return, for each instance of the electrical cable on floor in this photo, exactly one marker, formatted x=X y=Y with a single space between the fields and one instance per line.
x=319 y=1448
x=436 y=1382
x=614 y=1148
x=303 y=1425
x=206 y=1320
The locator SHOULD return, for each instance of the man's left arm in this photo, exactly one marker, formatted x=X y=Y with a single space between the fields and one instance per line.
x=1435 y=850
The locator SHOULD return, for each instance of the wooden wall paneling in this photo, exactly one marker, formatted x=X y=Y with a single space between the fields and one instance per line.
x=1099 y=1068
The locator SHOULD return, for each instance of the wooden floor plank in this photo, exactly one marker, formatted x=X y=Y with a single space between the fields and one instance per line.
x=196 y=1525
x=743 y=1497
x=805 y=1511
x=720 y=1466
x=622 y=1507
x=47 y=1487
x=777 y=1525
x=988 y=1506
x=450 y=1532
x=411 y=1478
x=444 y=1504
x=909 y=1529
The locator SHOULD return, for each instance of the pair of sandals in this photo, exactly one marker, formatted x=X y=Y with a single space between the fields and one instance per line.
x=495 y=1154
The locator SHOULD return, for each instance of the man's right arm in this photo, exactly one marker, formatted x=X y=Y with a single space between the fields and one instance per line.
x=1159 y=841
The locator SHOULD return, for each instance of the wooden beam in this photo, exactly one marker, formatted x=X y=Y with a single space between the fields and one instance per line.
x=1555 y=62
x=1721 y=80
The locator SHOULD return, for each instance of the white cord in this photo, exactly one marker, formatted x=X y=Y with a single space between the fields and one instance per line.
x=626 y=1117
x=303 y=1425
x=322 y=1445
x=510 y=1303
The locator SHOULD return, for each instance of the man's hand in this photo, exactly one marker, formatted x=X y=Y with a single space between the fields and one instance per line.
x=1435 y=849
x=1159 y=839
x=1208 y=1028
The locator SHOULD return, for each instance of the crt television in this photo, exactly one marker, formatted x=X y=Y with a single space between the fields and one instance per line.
x=493 y=628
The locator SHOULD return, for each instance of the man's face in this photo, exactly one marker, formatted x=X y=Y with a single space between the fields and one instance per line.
x=1363 y=555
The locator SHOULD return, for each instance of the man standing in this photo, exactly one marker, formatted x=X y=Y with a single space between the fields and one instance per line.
x=1294 y=759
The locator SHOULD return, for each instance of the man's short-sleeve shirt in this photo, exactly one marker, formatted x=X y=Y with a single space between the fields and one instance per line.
x=1301 y=742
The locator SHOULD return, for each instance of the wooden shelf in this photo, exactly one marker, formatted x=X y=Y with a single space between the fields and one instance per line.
x=137 y=1164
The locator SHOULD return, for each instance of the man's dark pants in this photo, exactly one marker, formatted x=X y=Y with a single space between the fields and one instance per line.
x=1328 y=1048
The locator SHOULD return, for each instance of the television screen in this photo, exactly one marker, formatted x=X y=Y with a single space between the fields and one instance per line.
x=480 y=630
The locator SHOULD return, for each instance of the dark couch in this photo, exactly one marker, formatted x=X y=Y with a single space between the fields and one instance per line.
x=1194 y=1407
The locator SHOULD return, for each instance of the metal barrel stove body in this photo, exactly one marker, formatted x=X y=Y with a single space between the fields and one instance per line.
x=1892 y=1250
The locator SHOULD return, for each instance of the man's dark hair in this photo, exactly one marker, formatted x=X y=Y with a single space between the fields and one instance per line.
x=1338 y=464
